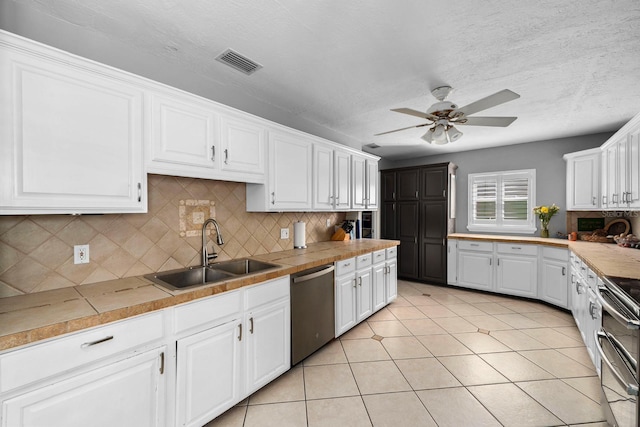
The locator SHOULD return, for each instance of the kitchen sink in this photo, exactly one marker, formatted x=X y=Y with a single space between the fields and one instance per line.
x=185 y=278
x=242 y=266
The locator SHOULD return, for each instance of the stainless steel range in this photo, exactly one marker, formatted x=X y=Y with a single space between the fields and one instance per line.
x=618 y=345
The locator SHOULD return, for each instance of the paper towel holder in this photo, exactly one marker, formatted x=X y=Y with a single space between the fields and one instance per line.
x=299 y=235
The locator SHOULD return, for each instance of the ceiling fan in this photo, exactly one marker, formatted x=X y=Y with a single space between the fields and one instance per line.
x=443 y=115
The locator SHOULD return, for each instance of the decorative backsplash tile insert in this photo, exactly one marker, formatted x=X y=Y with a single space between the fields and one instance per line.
x=193 y=213
x=36 y=251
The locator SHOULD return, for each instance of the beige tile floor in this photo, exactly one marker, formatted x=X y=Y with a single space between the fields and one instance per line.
x=438 y=356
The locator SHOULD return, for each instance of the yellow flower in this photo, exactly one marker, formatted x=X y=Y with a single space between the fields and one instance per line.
x=544 y=209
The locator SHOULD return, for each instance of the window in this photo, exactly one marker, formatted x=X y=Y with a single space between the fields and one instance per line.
x=502 y=201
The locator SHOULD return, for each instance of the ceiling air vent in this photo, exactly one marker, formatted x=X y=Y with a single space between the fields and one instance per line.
x=239 y=62
x=372 y=145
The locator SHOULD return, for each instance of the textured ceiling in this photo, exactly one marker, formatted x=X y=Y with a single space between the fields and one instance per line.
x=344 y=64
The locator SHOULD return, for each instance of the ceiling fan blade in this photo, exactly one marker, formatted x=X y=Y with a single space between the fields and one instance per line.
x=416 y=113
x=488 y=102
x=488 y=121
x=398 y=130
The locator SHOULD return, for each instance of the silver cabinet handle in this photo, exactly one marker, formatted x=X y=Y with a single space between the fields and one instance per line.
x=139 y=192
x=226 y=156
x=240 y=332
x=593 y=201
x=100 y=341
x=564 y=271
x=355 y=283
x=213 y=153
x=251 y=325
x=593 y=310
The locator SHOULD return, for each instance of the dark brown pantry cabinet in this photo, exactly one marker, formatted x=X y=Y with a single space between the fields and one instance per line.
x=416 y=210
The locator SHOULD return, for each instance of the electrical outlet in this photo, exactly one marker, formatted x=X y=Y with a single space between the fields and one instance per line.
x=328 y=223
x=81 y=254
x=284 y=233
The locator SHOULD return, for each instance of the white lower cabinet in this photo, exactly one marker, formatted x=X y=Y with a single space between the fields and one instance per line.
x=452 y=261
x=554 y=276
x=125 y=393
x=105 y=376
x=207 y=376
x=364 y=285
x=475 y=265
x=516 y=270
x=246 y=343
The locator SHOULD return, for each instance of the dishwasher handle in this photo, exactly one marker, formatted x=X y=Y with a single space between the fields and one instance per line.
x=313 y=275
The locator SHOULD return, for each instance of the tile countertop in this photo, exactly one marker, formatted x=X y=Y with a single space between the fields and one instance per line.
x=605 y=259
x=25 y=319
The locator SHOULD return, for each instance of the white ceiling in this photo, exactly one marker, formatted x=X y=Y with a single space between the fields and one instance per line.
x=344 y=64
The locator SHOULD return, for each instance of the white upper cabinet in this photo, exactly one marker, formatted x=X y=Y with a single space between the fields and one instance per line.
x=243 y=145
x=71 y=134
x=184 y=135
x=331 y=178
x=364 y=183
x=621 y=168
x=195 y=137
x=583 y=180
x=289 y=184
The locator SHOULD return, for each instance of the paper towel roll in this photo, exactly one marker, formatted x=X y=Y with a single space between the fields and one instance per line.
x=299 y=235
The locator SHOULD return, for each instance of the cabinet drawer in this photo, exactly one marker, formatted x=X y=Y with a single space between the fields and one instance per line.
x=555 y=253
x=266 y=292
x=469 y=245
x=207 y=310
x=379 y=256
x=392 y=252
x=517 y=249
x=363 y=261
x=41 y=361
x=345 y=266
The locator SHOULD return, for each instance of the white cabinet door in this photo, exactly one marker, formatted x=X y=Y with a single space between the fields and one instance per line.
x=517 y=275
x=633 y=170
x=378 y=278
x=243 y=145
x=346 y=316
x=71 y=136
x=342 y=179
x=323 y=175
x=268 y=348
x=583 y=180
x=554 y=282
x=392 y=279
x=208 y=376
x=372 y=184
x=364 y=294
x=452 y=261
x=290 y=172
x=610 y=196
x=125 y=393
x=475 y=270
x=358 y=181
x=183 y=135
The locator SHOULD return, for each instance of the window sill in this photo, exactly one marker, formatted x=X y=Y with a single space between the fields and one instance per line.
x=494 y=229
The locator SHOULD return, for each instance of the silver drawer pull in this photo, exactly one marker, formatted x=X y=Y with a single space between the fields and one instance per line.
x=516 y=247
x=89 y=344
x=474 y=244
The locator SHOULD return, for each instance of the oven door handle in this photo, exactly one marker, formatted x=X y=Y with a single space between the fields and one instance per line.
x=621 y=318
x=631 y=389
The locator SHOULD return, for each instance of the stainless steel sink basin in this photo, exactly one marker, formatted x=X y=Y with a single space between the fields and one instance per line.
x=185 y=278
x=242 y=266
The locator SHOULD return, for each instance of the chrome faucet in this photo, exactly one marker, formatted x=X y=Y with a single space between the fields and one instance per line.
x=205 y=255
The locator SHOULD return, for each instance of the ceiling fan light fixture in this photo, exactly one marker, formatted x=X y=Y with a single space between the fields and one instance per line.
x=428 y=137
x=453 y=134
x=440 y=135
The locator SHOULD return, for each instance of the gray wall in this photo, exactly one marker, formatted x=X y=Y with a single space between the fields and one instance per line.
x=20 y=19
x=543 y=156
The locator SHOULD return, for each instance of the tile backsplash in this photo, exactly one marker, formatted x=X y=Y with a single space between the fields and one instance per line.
x=632 y=216
x=36 y=251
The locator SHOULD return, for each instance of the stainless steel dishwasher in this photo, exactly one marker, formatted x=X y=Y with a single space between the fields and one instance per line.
x=312 y=311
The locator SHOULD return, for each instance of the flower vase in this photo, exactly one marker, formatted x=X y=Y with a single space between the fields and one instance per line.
x=545 y=229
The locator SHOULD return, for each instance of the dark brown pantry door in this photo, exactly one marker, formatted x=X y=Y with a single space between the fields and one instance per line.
x=433 y=241
x=407 y=233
